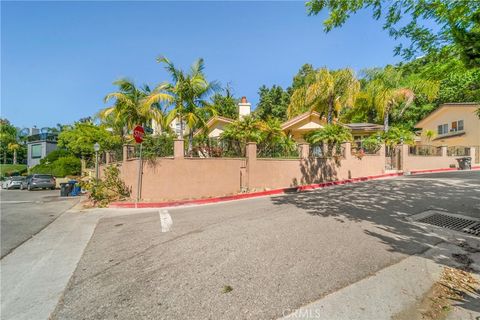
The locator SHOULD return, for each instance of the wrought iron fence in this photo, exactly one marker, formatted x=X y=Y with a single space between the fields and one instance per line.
x=133 y=151
x=115 y=155
x=458 y=151
x=316 y=151
x=217 y=148
x=364 y=150
x=321 y=150
x=278 y=151
x=425 y=150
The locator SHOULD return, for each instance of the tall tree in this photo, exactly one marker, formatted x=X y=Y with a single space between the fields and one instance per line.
x=189 y=94
x=388 y=92
x=327 y=94
x=273 y=103
x=458 y=23
x=224 y=103
x=130 y=108
x=8 y=136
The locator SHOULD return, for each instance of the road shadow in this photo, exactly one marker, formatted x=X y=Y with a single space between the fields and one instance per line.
x=386 y=204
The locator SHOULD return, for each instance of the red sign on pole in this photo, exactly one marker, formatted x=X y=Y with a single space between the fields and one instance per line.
x=138 y=134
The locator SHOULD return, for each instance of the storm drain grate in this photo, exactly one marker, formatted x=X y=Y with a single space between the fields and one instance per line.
x=473 y=229
x=450 y=221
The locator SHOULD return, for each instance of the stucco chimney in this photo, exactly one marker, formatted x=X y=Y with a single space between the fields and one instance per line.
x=244 y=108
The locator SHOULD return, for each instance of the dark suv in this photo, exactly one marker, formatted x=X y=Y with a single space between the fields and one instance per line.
x=39 y=181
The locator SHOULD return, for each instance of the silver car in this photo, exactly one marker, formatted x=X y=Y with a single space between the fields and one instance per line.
x=39 y=181
x=13 y=182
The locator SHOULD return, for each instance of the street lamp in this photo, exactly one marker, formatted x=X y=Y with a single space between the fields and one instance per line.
x=96 y=148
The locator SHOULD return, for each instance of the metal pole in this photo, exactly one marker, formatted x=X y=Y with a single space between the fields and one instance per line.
x=96 y=165
x=140 y=173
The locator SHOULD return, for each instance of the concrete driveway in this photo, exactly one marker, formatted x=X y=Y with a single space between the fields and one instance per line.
x=258 y=258
x=25 y=213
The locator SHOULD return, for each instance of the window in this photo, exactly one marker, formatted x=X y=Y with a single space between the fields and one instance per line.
x=454 y=126
x=457 y=126
x=36 y=151
x=442 y=129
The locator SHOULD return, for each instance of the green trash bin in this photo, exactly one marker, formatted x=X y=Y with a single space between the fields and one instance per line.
x=465 y=163
x=64 y=189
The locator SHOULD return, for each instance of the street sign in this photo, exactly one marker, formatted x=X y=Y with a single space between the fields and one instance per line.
x=138 y=134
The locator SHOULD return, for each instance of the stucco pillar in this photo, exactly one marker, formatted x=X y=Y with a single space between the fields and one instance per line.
x=444 y=151
x=251 y=151
x=107 y=158
x=348 y=150
x=473 y=154
x=125 y=153
x=304 y=149
x=178 y=148
x=251 y=155
x=382 y=150
x=404 y=165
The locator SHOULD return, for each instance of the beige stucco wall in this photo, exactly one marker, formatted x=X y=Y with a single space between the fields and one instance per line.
x=412 y=162
x=274 y=173
x=189 y=178
x=446 y=115
x=176 y=179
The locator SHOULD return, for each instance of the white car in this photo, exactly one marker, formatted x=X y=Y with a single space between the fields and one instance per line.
x=13 y=182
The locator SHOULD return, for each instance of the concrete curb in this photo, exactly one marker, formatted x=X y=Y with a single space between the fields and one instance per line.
x=270 y=192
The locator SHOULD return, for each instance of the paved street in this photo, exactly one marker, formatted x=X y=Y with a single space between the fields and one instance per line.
x=258 y=258
x=25 y=213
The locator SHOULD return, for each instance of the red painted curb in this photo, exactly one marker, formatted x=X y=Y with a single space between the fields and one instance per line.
x=247 y=195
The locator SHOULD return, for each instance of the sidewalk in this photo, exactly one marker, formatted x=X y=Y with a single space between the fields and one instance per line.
x=393 y=293
x=36 y=273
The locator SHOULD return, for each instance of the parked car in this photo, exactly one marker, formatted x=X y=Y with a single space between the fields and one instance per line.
x=13 y=182
x=39 y=181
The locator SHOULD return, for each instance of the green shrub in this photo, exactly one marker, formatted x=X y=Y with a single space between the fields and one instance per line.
x=160 y=145
x=110 y=188
x=54 y=155
x=7 y=170
x=61 y=167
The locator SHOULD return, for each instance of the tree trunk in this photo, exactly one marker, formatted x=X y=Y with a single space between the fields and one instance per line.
x=330 y=111
x=83 y=165
x=14 y=156
x=190 y=142
x=385 y=120
x=180 y=134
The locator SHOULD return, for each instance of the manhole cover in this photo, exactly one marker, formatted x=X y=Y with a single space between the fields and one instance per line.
x=449 y=221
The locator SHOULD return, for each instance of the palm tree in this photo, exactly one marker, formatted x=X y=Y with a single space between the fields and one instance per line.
x=129 y=108
x=387 y=89
x=188 y=93
x=14 y=147
x=329 y=93
x=333 y=135
x=429 y=135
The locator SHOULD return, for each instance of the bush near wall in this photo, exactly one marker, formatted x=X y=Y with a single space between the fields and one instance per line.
x=7 y=170
x=61 y=167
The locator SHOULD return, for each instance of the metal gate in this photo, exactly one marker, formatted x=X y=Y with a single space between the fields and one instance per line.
x=393 y=160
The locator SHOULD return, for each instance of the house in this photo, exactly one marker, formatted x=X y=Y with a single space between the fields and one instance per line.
x=39 y=145
x=215 y=126
x=296 y=127
x=452 y=124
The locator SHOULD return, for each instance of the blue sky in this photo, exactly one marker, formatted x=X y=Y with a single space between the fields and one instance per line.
x=59 y=59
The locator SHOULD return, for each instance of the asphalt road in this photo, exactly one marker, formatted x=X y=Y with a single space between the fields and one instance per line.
x=25 y=213
x=257 y=258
